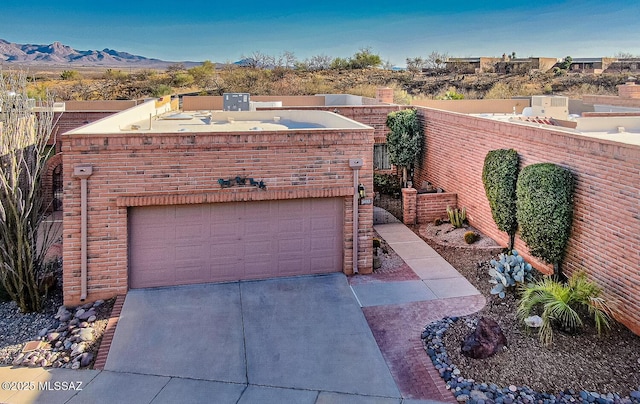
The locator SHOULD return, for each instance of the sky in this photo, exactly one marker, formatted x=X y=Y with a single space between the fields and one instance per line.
x=395 y=30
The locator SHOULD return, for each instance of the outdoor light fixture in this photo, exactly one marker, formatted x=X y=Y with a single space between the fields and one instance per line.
x=361 y=193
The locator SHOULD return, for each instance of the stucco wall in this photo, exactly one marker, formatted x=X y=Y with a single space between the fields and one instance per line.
x=606 y=224
x=183 y=168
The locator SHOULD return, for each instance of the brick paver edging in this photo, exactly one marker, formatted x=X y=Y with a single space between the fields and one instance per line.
x=107 y=337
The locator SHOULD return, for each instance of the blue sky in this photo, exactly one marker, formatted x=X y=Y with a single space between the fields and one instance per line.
x=224 y=31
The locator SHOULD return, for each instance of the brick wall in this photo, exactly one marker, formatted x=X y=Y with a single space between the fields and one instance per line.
x=606 y=224
x=181 y=168
x=424 y=208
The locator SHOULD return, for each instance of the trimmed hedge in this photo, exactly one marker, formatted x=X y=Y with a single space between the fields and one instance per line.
x=545 y=210
x=499 y=176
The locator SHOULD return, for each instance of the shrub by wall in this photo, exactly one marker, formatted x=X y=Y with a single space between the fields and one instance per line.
x=545 y=210
x=499 y=176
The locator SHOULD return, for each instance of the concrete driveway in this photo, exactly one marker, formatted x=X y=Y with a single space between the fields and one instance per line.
x=302 y=340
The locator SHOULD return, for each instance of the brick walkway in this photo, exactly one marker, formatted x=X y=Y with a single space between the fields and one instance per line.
x=397 y=331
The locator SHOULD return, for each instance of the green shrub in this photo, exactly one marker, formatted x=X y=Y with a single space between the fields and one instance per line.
x=508 y=271
x=387 y=184
x=471 y=237
x=405 y=139
x=499 y=176
x=456 y=216
x=563 y=305
x=544 y=210
x=70 y=75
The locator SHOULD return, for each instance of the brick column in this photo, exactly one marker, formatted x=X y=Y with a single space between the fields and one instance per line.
x=409 y=212
x=385 y=95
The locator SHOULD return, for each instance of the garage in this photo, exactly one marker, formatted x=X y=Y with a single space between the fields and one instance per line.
x=218 y=242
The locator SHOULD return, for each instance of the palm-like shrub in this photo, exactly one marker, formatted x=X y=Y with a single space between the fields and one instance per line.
x=564 y=305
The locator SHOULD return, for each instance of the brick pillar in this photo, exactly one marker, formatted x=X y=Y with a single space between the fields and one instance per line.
x=629 y=90
x=384 y=95
x=409 y=212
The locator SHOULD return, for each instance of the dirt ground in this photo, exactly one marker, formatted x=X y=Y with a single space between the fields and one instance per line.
x=605 y=364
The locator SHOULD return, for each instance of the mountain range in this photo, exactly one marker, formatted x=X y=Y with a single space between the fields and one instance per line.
x=60 y=54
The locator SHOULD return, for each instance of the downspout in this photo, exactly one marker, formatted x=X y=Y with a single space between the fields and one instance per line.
x=83 y=172
x=355 y=164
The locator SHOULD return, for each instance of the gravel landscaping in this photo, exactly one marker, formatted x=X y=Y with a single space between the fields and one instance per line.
x=59 y=336
x=580 y=368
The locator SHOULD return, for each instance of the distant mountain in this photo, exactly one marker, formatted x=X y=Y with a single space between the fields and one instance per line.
x=59 y=54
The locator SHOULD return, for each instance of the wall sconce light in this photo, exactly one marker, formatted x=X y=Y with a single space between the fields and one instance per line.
x=361 y=192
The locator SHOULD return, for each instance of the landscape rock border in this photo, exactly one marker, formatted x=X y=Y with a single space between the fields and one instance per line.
x=72 y=343
x=467 y=390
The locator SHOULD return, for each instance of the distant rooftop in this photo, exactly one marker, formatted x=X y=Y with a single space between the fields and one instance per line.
x=619 y=129
x=147 y=118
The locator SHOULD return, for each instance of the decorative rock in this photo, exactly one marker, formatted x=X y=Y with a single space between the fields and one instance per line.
x=85 y=359
x=43 y=332
x=485 y=341
x=86 y=334
x=65 y=317
x=75 y=365
x=79 y=349
x=513 y=388
x=533 y=321
x=477 y=395
x=98 y=303
x=18 y=360
x=53 y=336
x=462 y=398
x=85 y=315
x=80 y=312
x=635 y=394
x=91 y=319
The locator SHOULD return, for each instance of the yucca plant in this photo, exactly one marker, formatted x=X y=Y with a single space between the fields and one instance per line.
x=564 y=304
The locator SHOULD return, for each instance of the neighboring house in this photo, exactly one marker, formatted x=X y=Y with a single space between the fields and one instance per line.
x=591 y=65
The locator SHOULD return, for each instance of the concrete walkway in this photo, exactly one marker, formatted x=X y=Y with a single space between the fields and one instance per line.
x=438 y=279
x=317 y=361
x=399 y=304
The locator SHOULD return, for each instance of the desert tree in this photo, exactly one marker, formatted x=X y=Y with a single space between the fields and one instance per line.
x=25 y=128
x=415 y=65
x=405 y=140
x=436 y=60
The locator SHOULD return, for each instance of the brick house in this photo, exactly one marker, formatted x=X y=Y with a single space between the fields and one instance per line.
x=151 y=198
x=143 y=182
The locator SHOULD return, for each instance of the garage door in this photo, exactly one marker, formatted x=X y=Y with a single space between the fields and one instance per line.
x=185 y=244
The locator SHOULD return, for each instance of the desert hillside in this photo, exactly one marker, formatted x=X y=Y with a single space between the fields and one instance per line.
x=112 y=83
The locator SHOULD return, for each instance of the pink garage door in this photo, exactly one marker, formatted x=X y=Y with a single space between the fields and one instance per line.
x=185 y=244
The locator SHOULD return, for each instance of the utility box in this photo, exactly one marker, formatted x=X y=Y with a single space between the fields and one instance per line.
x=235 y=101
x=550 y=106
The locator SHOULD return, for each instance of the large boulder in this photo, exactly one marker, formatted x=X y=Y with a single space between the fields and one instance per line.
x=488 y=339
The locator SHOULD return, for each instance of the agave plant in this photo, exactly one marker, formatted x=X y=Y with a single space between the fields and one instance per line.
x=507 y=271
x=562 y=304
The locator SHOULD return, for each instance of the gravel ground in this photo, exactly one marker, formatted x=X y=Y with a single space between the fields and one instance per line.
x=585 y=362
x=17 y=328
